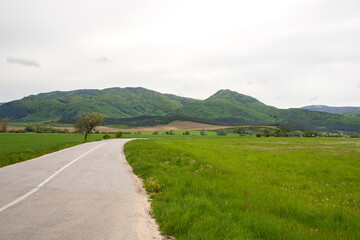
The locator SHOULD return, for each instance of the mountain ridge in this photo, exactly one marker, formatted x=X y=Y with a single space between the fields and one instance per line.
x=225 y=106
x=330 y=109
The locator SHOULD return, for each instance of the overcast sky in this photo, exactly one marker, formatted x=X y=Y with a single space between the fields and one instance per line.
x=284 y=53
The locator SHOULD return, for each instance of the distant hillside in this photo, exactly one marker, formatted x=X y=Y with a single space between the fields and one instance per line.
x=328 y=109
x=232 y=108
x=224 y=107
x=112 y=102
x=355 y=114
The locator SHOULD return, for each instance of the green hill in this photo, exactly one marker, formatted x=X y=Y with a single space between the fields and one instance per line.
x=224 y=107
x=112 y=102
x=354 y=114
x=329 y=109
x=229 y=107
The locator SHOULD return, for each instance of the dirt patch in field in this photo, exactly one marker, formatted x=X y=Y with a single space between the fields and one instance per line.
x=10 y=128
x=185 y=125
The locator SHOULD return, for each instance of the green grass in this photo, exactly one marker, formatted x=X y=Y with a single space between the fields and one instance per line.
x=251 y=188
x=18 y=147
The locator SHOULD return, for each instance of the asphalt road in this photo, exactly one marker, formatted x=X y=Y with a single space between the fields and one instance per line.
x=84 y=192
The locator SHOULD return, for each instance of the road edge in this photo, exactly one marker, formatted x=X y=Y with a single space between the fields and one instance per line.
x=147 y=227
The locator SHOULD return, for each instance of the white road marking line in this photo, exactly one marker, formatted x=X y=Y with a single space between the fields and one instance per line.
x=45 y=181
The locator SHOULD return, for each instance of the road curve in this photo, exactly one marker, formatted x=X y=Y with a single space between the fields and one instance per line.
x=84 y=192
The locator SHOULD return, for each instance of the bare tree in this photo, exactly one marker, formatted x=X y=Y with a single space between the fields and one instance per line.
x=88 y=122
x=4 y=124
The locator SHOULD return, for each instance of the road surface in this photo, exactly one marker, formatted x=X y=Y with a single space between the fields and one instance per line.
x=84 y=192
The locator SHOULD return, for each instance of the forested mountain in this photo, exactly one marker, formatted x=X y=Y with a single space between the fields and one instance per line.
x=224 y=107
x=328 y=109
x=232 y=108
x=355 y=114
x=112 y=102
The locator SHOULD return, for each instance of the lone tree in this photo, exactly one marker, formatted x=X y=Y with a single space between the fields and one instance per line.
x=4 y=124
x=87 y=123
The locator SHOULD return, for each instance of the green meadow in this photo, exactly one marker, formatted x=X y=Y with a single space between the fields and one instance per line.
x=17 y=147
x=252 y=188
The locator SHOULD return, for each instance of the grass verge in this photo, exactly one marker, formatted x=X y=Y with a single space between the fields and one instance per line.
x=250 y=188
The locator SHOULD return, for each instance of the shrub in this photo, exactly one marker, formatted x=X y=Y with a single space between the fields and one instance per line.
x=155 y=133
x=152 y=186
x=312 y=134
x=171 y=132
x=106 y=136
x=119 y=134
x=30 y=128
x=258 y=135
x=17 y=131
x=221 y=132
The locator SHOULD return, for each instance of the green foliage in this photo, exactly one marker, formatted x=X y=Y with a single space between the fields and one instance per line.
x=354 y=114
x=221 y=132
x=88 y=122
x=4 y=123
x=30 y=128
x=118 y=134
x=106 y=136
x=280 y=133
x=46 y=130
x=152 y=186
x=17 y=131
x=186 y=133
x=238 y=188
x=241 y=131
x=258 y=135
x=290 y=127
x=312 y=134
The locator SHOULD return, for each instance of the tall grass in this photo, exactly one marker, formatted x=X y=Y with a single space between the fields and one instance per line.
x=248 y=188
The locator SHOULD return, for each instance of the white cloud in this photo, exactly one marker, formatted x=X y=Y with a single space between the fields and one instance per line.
x=314 y=98
x=22 y=61
x=103 y=59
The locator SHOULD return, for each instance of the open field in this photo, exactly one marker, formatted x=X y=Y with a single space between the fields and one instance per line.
x=17 y=147
x=252 y=188
x=182 y=125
